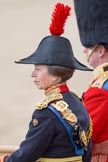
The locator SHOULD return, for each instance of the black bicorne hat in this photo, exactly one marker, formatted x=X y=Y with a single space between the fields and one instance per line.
x=54 y=49
x=92 y=20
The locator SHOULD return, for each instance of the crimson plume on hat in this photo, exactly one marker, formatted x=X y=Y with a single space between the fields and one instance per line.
x=54 y=49
x=92 y=20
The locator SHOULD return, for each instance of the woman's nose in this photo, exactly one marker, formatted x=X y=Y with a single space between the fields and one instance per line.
x=33 y=74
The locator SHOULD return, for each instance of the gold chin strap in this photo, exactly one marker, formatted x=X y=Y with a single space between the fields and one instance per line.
x=69 y=159
x=90 y=51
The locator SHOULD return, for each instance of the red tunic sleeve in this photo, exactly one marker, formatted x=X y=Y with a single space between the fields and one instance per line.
x=96 y=102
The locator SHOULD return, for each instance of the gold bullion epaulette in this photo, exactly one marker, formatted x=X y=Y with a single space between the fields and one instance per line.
x=100 y=81
x=49 y=99
x=71 y=118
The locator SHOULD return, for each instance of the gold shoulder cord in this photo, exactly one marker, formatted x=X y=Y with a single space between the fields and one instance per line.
x=67 y=114
x=71 y=118
x=101 y=80
x=90 y=130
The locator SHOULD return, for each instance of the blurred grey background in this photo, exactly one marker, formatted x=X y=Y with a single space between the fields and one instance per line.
x=23 y=23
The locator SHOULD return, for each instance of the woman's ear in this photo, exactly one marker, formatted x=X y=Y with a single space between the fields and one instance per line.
x=101 y=50
x=56 y=79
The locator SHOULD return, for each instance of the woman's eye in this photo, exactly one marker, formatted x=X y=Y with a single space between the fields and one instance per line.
x=37 y=69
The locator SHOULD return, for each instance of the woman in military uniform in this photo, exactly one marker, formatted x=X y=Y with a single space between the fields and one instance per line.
x=60 y=128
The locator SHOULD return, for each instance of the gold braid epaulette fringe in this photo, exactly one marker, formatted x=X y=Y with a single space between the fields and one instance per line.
x=49 y=99
x=90 y=130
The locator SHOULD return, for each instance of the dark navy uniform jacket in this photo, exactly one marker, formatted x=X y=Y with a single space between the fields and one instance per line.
x=49 y=138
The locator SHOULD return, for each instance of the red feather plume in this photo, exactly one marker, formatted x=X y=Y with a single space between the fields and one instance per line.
x=59 y=17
